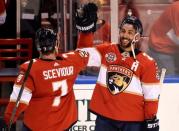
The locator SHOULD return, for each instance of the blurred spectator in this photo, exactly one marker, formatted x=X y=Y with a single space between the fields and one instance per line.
x=8 y=29
x=30 y=20
x=35 y=14
x=103 y=33
x=2 y=12
x=130 y=5
x=2 y=17
x=164 y=39
x=49 y=13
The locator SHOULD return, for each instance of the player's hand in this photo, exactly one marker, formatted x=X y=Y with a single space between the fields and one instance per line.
x=86 y=18
x=151 y=125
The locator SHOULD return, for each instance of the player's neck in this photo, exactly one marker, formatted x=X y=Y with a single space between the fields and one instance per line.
x=51 y=56
x=128 y=49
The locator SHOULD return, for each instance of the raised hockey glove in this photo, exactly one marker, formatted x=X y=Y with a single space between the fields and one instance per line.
x=151 y=125
x=86 y=18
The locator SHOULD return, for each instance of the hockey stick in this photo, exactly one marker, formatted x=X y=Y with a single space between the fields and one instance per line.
x=19 y=95
x=162 y=76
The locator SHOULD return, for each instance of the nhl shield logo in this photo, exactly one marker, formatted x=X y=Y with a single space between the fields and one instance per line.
x=118 y=78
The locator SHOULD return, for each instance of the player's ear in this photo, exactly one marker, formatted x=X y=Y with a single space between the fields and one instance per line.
x=57 y=47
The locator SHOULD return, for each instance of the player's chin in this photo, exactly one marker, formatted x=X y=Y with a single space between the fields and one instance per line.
x=125 y=44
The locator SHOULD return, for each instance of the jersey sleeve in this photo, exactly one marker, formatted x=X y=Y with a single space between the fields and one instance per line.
x=29 y=82
x=77 y=57
x=9 y=109
x=94 y=56
x=85 y=40
x=96 y=53
x=25 y=97
x=151 y=89
x=85 y=43
x=172 y=13
x=174 y=17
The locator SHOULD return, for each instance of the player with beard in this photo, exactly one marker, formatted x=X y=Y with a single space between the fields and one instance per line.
x=132 y=107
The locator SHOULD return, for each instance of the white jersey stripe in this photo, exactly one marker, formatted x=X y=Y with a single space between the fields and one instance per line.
x=151 y=91
x=94 y=56
x=134 y=86
x=26 y=95
x=102 y=75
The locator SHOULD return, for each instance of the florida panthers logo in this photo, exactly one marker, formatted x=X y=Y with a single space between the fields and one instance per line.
x=118 y=78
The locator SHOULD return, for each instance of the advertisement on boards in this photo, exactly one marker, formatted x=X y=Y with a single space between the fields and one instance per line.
x=86 y=120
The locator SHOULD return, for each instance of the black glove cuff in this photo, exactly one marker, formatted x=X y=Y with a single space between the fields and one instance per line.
x=151 y=125
x=88 y=28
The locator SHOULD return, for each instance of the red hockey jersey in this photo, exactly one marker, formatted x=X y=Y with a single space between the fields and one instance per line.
x=126 y=89
x=165 y=31
x=48 y=100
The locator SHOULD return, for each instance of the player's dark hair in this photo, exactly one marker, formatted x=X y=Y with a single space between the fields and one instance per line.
x=133 y=21
x=45 y=40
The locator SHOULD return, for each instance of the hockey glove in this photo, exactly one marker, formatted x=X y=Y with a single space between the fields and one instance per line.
x=86 y=18
x=151 y=125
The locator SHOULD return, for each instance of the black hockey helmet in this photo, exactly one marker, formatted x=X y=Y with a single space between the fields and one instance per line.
x=45 y=40
x=133 y=21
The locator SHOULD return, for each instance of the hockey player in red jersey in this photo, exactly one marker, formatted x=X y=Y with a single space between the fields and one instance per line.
x=127 y=90
x=48 y=100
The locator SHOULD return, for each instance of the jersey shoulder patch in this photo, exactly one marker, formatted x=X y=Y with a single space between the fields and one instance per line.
x=83 y=53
